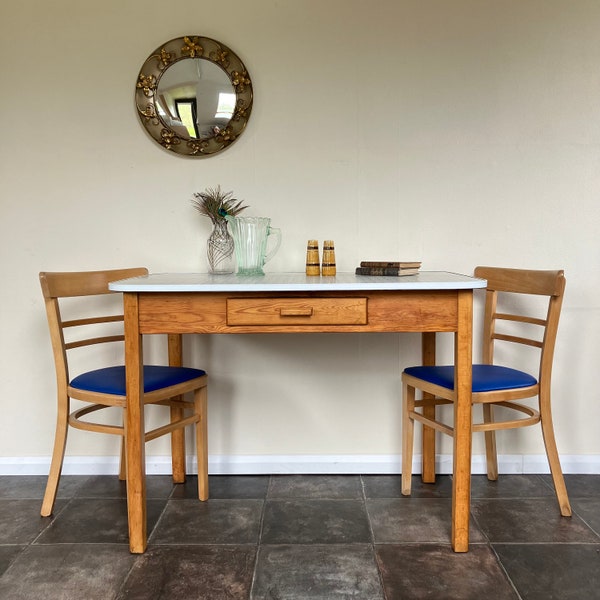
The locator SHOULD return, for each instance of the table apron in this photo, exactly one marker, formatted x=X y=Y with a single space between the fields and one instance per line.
x=387 y=311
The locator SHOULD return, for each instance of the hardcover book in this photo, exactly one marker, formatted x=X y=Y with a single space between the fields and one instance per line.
x=386 y=271
x=392 y=264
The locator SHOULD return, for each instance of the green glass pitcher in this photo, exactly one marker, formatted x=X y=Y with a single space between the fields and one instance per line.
x=250 y=235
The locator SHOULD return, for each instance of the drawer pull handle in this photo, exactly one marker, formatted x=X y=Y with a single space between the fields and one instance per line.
x=296 y=312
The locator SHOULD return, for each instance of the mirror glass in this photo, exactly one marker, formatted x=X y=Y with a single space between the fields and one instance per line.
x=194 y=96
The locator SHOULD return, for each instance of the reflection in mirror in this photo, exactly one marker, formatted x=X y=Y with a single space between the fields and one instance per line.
x=194 y=96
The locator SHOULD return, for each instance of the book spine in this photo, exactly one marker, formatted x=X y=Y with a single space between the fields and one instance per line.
x=378 y=263
x=390 y=271
x=398 y=265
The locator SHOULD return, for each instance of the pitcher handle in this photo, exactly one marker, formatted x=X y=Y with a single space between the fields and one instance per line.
x=277 y=232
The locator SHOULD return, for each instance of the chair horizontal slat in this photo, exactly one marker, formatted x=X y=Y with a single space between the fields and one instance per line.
x=93 y=320
x=517 y=340
x=96 y=340
x=520 y=319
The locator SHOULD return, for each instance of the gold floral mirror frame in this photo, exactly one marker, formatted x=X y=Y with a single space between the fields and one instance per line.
x=183 y=135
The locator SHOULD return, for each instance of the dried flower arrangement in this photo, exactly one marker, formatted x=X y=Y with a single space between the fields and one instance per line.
x=215 y=204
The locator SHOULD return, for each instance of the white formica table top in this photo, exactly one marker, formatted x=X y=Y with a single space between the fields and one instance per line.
x=293 y=282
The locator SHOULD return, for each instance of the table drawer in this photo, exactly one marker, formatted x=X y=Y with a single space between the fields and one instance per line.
x=296 y=311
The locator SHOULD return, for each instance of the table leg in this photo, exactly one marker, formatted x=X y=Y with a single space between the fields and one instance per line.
x=134 y=427
x=461 y=481
x=428 y=443
x=178 y=435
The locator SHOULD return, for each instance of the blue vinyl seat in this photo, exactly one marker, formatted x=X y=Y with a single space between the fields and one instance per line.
x=111 y=380
x=486 y=378
x=512 y=296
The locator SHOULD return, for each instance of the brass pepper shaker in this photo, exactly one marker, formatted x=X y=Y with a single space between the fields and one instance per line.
x=312 y=258
x=328 y=264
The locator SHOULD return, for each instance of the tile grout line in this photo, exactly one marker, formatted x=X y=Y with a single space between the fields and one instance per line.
x=259 y=540
x=373 y=545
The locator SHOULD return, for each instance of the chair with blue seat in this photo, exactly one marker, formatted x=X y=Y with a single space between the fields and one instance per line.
x=496 y=385
x=87 y=294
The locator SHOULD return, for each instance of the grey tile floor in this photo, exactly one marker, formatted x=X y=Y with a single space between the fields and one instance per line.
x=300 y=537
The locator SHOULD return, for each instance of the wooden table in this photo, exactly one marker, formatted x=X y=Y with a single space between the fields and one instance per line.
x=175 y=304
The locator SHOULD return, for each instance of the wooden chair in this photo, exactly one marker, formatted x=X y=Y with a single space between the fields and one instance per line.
x=495 y=385
x=105 y=387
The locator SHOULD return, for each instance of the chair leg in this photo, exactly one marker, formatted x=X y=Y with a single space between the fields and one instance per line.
x=428 y=351
x=123 y=461
x=408 y=428
x=58 y=454
x=177 y=445
x=490 y=444
x=177 y=413
x=428 y=444
x=201 y=409
x=553 y=459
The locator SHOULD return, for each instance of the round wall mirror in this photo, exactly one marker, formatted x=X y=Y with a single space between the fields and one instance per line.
x=194 y=96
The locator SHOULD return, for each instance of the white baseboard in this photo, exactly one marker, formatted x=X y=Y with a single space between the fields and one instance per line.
x=298 y=464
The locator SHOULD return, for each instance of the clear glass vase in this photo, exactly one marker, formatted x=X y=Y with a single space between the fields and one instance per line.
x=219 y=250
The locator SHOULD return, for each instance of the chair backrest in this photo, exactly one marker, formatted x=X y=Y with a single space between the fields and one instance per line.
x=60 y=285
x=550 y=284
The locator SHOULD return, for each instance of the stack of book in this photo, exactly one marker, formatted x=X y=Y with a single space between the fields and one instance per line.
x=389 y=269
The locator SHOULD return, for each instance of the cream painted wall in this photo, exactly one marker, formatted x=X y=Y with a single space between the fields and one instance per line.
x=458 y=132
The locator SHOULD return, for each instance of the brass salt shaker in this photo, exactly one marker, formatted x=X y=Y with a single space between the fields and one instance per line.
x=312 y=258
x=328 y=265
